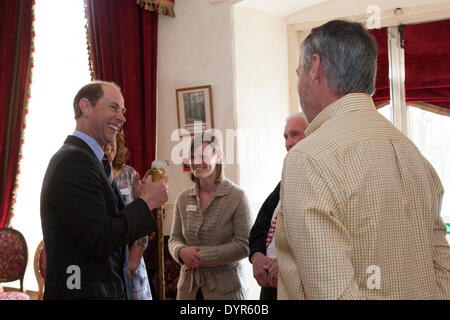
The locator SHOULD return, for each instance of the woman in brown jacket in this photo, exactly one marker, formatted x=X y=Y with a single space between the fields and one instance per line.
x=210 y=229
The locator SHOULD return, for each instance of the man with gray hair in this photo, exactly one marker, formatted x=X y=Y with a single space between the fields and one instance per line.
x=261 y=242
x=360 y=206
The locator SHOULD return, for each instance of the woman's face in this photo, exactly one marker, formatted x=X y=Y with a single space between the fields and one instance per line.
x=203 y=161
x=110 y=151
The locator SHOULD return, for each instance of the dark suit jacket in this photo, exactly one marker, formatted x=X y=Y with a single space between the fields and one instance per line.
x=260 y=229
x=86 y=224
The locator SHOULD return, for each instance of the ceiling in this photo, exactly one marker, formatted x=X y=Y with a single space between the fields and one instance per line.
x=286 y=8
x=280 y=8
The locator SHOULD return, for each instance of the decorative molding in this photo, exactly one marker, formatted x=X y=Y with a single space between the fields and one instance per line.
x=232 y=1
x=390 y=17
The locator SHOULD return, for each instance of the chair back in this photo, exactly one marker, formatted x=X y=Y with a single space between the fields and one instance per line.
x=13 y=256
x=40 y=263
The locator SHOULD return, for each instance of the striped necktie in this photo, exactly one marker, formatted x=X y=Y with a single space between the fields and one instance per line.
x=108 y=169
x=271 y=231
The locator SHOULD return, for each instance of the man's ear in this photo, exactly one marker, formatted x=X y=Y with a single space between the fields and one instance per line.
x=316 y=68
x=85 y=106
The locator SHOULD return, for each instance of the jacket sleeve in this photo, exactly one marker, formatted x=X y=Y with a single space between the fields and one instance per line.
x=176 y=239
x=77 y=196
x=260 y=229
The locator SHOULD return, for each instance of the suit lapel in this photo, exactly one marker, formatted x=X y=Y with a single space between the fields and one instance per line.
x=114 y=191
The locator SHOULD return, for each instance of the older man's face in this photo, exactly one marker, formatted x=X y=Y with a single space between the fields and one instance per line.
x=294 y=131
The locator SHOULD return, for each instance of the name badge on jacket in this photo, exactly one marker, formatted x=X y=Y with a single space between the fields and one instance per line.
x=191 y=208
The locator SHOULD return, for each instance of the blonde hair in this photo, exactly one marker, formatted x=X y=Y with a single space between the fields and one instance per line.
x=121 y=158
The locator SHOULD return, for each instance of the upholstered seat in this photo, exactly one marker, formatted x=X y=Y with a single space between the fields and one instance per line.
x=13 y=261
x=13 y=295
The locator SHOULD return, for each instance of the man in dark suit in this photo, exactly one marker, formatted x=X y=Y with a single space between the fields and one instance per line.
x=85 y=224
x=262 y=247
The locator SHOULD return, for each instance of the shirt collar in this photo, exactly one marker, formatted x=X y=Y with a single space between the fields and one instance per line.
x=348 y=103
x=92 y=143
x=223 y=188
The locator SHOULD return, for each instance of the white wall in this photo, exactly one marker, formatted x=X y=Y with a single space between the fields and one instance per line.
x=194 y=49
x=262 y=99
x=262 y=105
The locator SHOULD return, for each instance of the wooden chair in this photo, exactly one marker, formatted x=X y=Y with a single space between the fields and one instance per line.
x=13 y=262
x=39 y=267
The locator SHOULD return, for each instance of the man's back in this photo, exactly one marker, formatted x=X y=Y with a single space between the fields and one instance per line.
x=367 y=223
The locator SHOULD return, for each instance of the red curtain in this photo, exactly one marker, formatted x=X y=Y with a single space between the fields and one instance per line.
x=427 y=63
x=123 y=48
x=382 y=93
x=16 y=36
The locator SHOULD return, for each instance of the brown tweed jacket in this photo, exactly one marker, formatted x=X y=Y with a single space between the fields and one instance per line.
x=222 y=232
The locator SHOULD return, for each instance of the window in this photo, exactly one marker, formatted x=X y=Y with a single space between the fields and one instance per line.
x=386 y=111
x=61 y=67
x=428 y=130
x=431 y=134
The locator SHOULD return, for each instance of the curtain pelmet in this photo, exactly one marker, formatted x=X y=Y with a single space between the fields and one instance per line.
x=163 y=7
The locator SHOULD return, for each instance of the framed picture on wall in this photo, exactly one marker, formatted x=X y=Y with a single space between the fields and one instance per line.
x=195 y=109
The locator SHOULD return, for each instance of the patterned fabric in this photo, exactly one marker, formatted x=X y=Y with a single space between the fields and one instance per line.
x=13 y=258
x=140 y=287
x=271 y=231
x=125 y=184
x=13 y=295
x=360 y=212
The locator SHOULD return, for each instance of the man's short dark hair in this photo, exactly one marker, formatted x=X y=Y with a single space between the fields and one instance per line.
x=93 y=92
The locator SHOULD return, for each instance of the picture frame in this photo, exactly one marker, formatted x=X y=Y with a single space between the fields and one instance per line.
x=195 y=109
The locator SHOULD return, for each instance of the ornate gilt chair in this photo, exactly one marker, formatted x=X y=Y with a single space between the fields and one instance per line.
x=39 y=267
x=13 y=262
